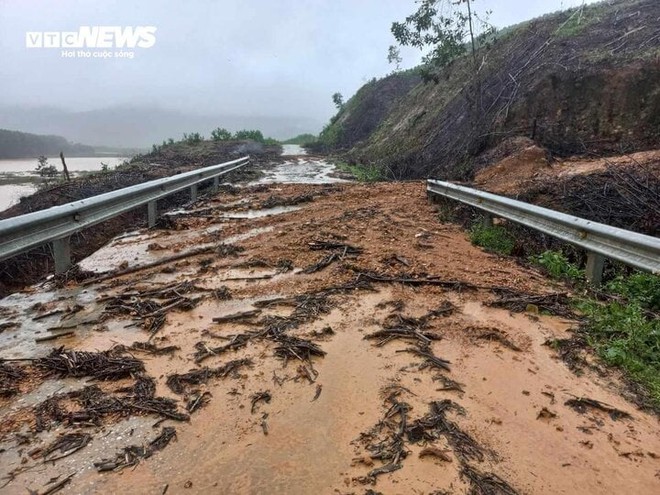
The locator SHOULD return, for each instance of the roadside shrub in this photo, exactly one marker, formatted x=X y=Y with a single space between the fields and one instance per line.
x=495 y=239
x=220 y=134
x=644 y=288
x=362 y=173
x=557 y=265
x=624 y=335
x=254 y=135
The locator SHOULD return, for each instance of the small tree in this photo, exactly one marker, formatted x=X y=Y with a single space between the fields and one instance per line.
x=338 y=100
x=220 y=134
x=447 y=27
x=44 y=169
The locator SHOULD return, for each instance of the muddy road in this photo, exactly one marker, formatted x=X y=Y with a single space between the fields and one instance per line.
x=325 y=337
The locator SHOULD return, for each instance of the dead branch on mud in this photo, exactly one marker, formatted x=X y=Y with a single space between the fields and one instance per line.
x=274 y=201
x=107 y=365
x=493 y=334
x=431 y=359
x=67 y=444
x=485 y=483
x=259 y=397
x=10 y=377
x=179 y=383
x=455 y=285
x=557 y=303
x=397 y=326
x=582 y=404
x=132 y=455
x=149 y=348
x=235 y=342
x=341 y=250
x=237 y=316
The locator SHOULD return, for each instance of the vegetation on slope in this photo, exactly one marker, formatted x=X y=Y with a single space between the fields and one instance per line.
x=583 y=80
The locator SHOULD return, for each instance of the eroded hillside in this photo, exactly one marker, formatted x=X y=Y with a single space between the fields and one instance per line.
x=582 y=81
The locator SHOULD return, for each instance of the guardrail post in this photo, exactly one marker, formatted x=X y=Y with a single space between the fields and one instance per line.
x=216 y=184
x=487 y=222
x=193 y=192
x=594 y=270
x=62 y=254
x=152 y=213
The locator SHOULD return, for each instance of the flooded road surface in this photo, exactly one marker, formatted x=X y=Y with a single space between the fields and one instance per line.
x=338 y=345
x=302 y=170
x=293 y=150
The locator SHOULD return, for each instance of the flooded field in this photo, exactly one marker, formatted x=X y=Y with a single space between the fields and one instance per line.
x=18 y=177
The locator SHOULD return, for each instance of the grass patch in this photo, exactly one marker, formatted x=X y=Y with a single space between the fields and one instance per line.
x=626 y=334
x=362 y=173
x=495 y=239
x=557 y=265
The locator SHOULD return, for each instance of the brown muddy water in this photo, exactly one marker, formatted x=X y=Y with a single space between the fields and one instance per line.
x=18 y=176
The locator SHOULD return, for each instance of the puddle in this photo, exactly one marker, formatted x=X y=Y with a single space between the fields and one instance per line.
x=301 y=171
x=133 y=249
x=266 y=212
x=293 y=150
x=20 y=342
x=239 y=237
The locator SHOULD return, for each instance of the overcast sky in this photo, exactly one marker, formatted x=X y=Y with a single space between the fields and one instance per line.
x=254 y=57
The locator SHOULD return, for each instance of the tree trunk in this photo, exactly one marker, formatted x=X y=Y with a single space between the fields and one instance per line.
x=66 y=170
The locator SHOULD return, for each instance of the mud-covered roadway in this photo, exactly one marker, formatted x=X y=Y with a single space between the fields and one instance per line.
x=370 y=348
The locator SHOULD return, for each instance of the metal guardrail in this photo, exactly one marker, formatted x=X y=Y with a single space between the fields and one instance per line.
x=600 y=241
x=55 y=225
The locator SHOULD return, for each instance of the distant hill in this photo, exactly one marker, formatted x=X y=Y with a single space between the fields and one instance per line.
x=140 y=127
x=15 y=144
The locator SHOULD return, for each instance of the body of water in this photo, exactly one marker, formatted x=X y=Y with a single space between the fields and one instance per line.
x=17 y=175
x=74 y=164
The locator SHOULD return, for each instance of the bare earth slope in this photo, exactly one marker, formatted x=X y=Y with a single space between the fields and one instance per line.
x=394 y=358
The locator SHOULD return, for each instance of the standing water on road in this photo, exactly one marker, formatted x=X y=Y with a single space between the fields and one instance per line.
x=300 y=169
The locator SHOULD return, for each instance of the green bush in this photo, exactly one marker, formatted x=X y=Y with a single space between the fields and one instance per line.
x=624 y=335
x=557 y=265
x=362 y=173
x=254 y=135
x=495 y=239
x=193 y=138
x=220 y=134
x=641 y=287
